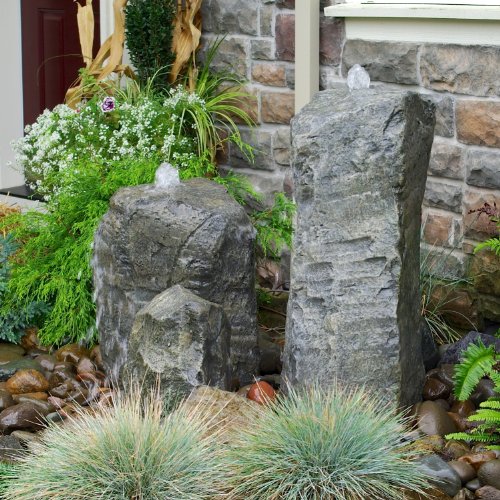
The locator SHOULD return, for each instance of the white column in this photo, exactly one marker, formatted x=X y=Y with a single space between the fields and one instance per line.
x=11 y=90
x=107 y=19
x=306 y=51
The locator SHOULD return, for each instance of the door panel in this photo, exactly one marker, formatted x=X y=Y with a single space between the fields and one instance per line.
x=51 y=52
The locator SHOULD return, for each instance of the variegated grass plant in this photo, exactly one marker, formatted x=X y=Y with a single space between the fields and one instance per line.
x=129 y=451
x=339 y=444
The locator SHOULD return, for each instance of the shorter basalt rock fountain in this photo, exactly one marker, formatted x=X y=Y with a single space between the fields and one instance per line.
x=191 y=234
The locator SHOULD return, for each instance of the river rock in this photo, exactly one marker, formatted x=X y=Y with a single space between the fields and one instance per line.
x=181 y=339
x=464 y=470
x=25 y=381
x=10 y=368
x=488 y=493
x=489 y=473
x=432 y=419
x=5 y=399
x=46 y=361
x=193 y=234
x=430 y=351
x=359 y=165
x=485 y=389
x=27 y=415
x=454 y=353
x=463 y=408
x=441 y=474
x=10 y=449
x=71 y=353
x=10 y=352
x=435 y=389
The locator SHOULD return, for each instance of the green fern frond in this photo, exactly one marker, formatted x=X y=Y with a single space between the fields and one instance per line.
x=477 y=361
x=459 y=436
x=491 y=403
x=485 y=415
x=492 y=244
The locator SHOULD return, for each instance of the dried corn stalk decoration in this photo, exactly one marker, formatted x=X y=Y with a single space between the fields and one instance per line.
x=110 y=55
x=186 y=39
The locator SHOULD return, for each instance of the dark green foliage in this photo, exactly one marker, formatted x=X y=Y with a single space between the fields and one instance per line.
x=54 y=261
x=479 y=361
x=274 y=226
x=15 y=320
x=149 y=31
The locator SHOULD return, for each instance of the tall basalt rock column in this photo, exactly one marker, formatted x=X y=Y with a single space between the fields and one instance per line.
x=194 y=235
x=359 y=161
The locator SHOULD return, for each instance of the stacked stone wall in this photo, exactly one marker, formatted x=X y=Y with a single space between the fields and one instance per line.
x=464 y=82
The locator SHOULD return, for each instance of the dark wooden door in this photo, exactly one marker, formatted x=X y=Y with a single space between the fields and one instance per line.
x=51 y=52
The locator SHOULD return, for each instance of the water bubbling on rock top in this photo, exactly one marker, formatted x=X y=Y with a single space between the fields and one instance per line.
x=166 y=176
x=358 y=78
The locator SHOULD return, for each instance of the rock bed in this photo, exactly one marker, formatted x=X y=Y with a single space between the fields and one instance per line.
x=466 y=472
x=37 y=386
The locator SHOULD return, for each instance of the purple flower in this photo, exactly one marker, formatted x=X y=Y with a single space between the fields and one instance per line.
x=108 y=104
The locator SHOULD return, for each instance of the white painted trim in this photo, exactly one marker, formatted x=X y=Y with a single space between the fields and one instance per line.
x=415 y=10
x=11 y=91
x=306 y=51
x=107 y=19
x=460 y=32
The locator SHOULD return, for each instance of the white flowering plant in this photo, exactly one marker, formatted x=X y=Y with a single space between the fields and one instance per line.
x=105 y=130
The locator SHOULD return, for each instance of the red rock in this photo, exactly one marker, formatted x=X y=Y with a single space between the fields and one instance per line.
x=25 y=381
x=261 y=392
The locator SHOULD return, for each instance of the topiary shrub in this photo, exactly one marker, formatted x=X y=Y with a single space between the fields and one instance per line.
x=129 y=451
x=149 y=31
x=341 y=444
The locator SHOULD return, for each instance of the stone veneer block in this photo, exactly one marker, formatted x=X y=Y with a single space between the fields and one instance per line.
x=478 y=122
x=472 y=70
x=438 y=229
x=277 y=107
x=384 y=61
x=331 y=40
x=478 y=227
x=270 y=74
x=231 y=16
x=285 y=37
x=445 y=115
x=447 y=160
x=359 y=161
x=194 y=235
x=483 y=168
x=261 y=139
x=443 y=195
x=232 y=55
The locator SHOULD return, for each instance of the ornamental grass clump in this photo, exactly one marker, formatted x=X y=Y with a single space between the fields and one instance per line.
x=129 y=451
x=341 y=444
